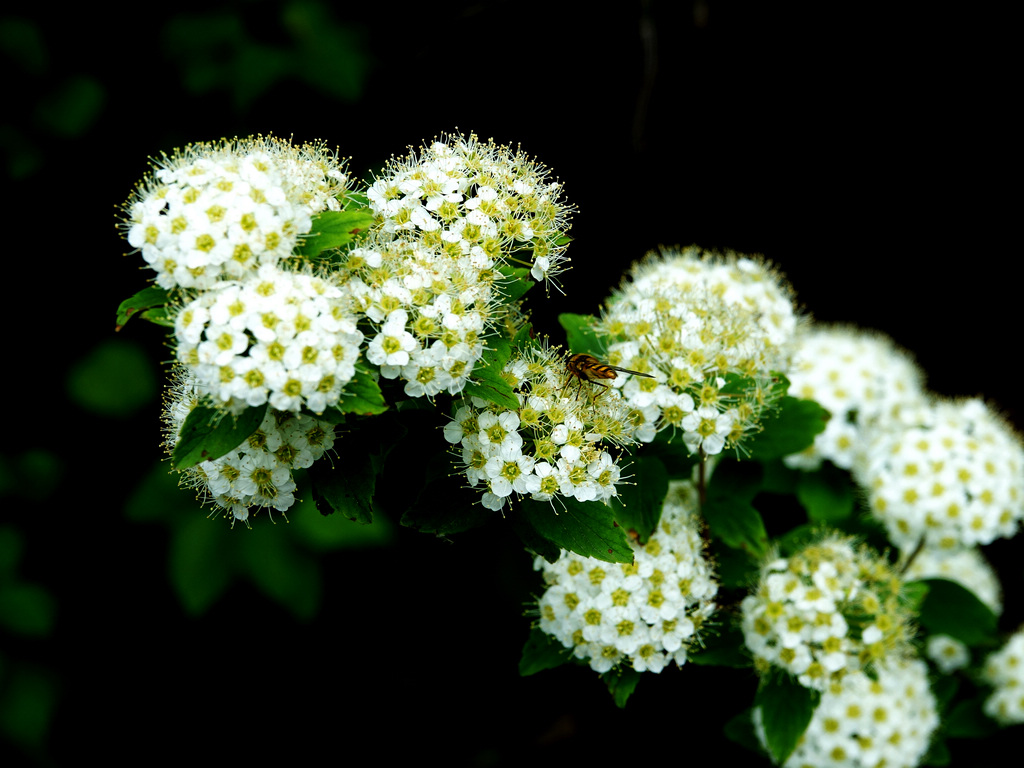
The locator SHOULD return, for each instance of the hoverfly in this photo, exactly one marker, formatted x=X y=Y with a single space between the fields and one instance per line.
x=589 y=368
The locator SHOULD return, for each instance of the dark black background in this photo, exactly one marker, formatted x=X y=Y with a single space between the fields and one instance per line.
x=865 y=151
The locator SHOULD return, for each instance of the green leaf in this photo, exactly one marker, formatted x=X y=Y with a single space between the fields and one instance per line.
x=517 y=284
x=621 y=682
x=12 y=544
x=827 y=494
x=944 y=688
x=586 y=528
x=70 y=107
x=967 y=720
x=726 y=649
x=639 y=502
x=347 y=489
x=26 y=709
x=26 y=608
x=951 y=609
x=779 y=479
x=937 y=754
x=786 y=710
x=350 y=487
x=728 y=510
x=158 y=316
x=362 y=394
x=580 y=333
x=790 y=429
x=533 y=540
x=487 y=382
x=328 y=534
x=209 y=433
x=735 y=567
x=915 y=592
x=147 y=298
x=285 y=574
x=673 y=454
x=740 y=730
x=332 y=229
x=797 y=538
x=200 y=571
x=443 y=506
x=541 y=652
x=115 y=379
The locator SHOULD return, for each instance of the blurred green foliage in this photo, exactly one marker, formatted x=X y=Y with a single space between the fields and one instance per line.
x=28 y=693
x=242 y=52
x=282 y=559
x=114 y=379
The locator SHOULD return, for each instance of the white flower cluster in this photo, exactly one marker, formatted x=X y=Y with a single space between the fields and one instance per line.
x=218 y=222
x=284 y=337
x=951 y=474
x=258 y=473
x=552 y=445
x=861 y=378
x=830 y=609
x=483 y=201
x=1004 y=670
x=866 y=722
x=218 y=211
x=647 y=613
x=710 y=331
x=431 y=310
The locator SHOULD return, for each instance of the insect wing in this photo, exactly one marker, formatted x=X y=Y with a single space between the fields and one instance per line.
x=626 y=370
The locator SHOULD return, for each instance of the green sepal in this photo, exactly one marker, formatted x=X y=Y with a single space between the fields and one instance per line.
x=209 y=433
x=487 y=382
x=587 y=528
x=786 y=711
x=581 y=334
x=541 y=652
x=149 y=302
x=950 y=609
x=639 y=502
x=787 y=429
x=728 y=510
x=333 y=229
x=621 y=682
